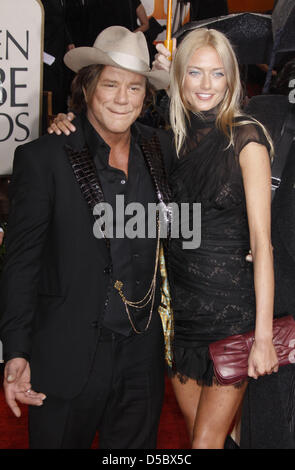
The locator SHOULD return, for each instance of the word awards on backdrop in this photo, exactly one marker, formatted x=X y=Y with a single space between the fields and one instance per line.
x=21 y=55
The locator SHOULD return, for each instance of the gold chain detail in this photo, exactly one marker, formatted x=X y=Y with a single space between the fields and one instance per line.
x=149 y=296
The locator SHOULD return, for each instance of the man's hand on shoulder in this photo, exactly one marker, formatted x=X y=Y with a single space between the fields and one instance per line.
x=17 y=386
x=62 y=123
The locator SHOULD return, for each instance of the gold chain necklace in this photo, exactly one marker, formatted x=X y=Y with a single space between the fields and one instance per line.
x=149 y=296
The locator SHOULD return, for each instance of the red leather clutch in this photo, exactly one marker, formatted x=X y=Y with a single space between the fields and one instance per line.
x=230 y=355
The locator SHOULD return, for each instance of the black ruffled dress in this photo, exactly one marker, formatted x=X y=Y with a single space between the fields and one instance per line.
x=213 y=285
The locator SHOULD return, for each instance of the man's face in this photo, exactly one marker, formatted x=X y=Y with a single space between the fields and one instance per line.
x=116 y=102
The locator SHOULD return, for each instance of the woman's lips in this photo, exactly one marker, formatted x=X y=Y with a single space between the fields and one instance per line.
x=204 y=96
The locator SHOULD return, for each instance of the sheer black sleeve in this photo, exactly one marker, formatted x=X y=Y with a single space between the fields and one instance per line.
x=244 y=134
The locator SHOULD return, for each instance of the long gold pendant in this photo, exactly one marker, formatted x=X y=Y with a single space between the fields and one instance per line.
x=149 y=296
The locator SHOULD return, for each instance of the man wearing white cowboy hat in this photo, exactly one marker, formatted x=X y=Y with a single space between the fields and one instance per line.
x=95 y=354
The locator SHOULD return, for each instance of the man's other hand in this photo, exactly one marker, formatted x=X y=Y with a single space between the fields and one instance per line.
x=17 y=386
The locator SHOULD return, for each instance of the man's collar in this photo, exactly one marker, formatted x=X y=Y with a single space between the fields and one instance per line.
x=95 y=141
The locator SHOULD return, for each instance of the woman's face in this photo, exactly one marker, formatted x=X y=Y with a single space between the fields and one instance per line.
x=205 y=82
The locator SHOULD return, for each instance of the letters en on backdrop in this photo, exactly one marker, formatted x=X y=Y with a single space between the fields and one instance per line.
x=21 y=43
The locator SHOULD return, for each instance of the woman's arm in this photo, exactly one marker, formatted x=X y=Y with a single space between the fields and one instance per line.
x=62 y=123
x=143 y=19
x=256 y=172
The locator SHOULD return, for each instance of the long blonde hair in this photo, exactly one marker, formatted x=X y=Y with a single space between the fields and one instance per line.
x=230 y=106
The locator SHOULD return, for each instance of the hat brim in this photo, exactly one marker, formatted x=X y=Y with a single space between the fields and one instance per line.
x=80 y=57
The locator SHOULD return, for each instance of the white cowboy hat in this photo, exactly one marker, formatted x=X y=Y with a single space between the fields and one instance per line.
x=118 y=47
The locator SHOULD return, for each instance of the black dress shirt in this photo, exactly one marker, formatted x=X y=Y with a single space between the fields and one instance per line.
x=133 y=260
x=119 y=13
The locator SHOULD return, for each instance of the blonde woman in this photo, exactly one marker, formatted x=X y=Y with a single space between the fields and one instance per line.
x=224 y=164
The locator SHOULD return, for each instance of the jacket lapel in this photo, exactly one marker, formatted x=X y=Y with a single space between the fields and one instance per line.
x=152 y=152
x=87 y=178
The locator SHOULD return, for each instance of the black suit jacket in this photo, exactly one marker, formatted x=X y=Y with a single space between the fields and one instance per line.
x=55 y=280
x=269 y=401
x=272 y=110
x=83 y=21
x=56 y=32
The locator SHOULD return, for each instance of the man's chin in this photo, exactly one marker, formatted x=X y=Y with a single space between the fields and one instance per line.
x=120 y=129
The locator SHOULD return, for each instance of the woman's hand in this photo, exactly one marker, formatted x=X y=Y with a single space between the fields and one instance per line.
x=262 y=359
x=62 y=123
x=162 y=61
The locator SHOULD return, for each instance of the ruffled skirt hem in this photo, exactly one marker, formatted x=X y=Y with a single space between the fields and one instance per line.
x=195 y=364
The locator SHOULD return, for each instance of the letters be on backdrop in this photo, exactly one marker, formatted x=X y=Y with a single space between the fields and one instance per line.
x=21 y=39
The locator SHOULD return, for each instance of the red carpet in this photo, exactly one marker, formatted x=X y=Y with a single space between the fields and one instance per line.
x=172 y=431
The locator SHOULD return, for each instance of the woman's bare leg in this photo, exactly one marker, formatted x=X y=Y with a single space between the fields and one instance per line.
x=236 y=431
x=187 y=395
x=217 y=408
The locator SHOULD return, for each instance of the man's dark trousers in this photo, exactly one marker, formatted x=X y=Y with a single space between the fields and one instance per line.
x=122 y=398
